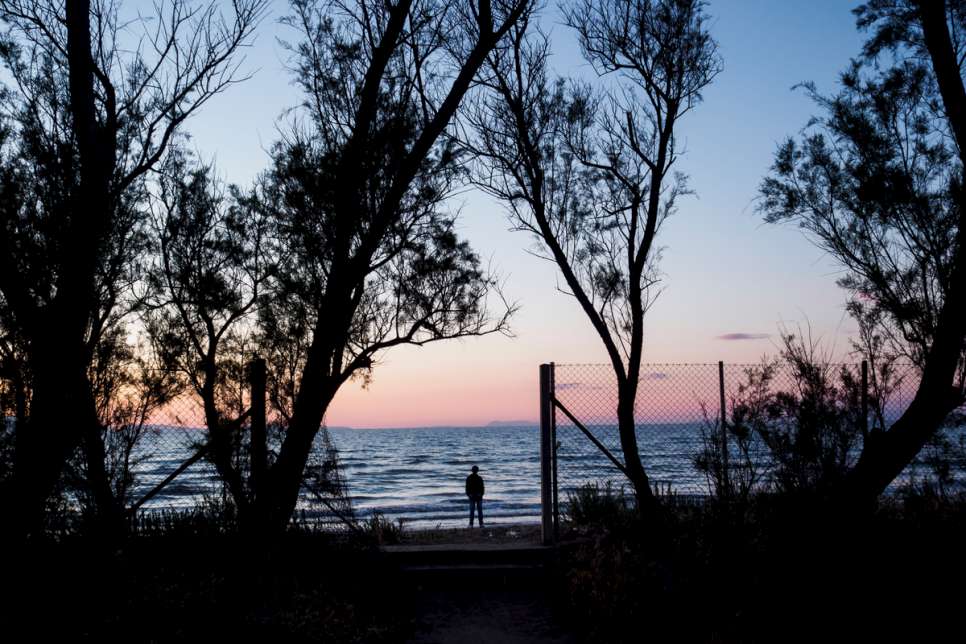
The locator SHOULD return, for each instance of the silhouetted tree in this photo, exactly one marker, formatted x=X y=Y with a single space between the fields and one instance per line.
x=878 y=182
x=130 y=383
x=211 y=266
x=217 y=253
x=368 y=258
x=96 y=95
x=589 y=173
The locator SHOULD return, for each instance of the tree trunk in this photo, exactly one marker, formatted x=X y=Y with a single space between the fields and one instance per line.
x=62 y=407
x=627 y=429
x=884 y=458
x=282 y=484
x=108 y=517
x=51 y=433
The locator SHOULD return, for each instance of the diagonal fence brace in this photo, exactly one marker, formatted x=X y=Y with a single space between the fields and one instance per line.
x=197 y=456
x=589 y=434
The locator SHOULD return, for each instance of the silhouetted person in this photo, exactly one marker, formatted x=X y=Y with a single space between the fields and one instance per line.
x=474 y=490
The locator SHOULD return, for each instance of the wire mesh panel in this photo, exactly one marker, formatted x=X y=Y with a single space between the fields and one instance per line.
x=796 y=423
x=170 y=453
x=785 y=423
x=673 y=403
x=162 y=455
x=171 y=437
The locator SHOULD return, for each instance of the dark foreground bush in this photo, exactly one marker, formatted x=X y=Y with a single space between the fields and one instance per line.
x=599 y=506
x=773 y=570
x=186 y=582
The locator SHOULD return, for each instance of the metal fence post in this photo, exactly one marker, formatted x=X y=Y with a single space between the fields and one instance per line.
x=725 y=478
x=865 y=398
x=546 y=454
x=553 y=452
x=259 y=449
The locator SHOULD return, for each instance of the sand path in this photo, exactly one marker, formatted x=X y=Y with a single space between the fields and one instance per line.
x=463 y=612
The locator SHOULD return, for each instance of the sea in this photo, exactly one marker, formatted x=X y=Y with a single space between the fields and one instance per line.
x=415 y=476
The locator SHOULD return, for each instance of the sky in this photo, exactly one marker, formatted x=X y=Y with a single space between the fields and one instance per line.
x=730 y=281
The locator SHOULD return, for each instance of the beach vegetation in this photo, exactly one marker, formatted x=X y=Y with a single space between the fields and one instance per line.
x=796 y=424
x=382 y=531
x=774 y=567
x=92 y=99
x=876 y=180
x=596 y=504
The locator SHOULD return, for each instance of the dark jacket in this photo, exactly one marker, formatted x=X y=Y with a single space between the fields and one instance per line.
x=474 y=485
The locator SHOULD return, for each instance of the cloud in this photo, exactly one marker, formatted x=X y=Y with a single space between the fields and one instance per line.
x=655 y=375
x=563 y=386
x=743 y=336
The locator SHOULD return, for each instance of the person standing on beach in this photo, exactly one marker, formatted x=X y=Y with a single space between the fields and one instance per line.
x=474 y=490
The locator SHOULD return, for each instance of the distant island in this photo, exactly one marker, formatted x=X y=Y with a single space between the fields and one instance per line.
x=512 y=423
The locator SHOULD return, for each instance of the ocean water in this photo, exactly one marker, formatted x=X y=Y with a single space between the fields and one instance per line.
x=417 y=475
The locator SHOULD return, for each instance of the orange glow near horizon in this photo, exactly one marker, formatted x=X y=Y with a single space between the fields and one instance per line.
x=477 y=381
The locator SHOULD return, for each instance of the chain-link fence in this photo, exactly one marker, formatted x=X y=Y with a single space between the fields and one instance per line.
x=784 y=424
x=158 y=455
x=170 y=467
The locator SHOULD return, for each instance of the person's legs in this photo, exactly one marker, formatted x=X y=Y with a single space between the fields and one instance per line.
x=476 y=505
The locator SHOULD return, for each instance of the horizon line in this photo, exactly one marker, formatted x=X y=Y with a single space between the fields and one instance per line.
x=494 y=423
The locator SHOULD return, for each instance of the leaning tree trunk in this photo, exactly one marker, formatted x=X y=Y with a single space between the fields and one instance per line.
x=280 y=490
x=885 y=455
x=884 y=458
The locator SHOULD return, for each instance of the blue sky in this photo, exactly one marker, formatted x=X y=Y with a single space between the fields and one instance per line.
x=725 y=271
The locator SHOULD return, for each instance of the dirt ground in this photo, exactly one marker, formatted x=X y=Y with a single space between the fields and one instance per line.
x=478 y=615
x=471 y=616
